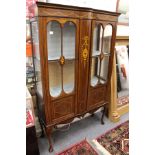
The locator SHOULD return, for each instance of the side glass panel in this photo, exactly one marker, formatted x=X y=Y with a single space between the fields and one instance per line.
x=68 y=76
x=36 y=56
x=107 y=39
x=69 y=40
x=55 y=78
x=54 y=40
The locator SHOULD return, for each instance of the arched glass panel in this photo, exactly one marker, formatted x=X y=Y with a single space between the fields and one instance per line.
x=96 y=51
x=54 y=54
x=104 y=69
x=53 y=40
x=69 y=40
x=68 y=76
x=107 y=39
x=97 y=40
x=95 y=69
x=55 y=81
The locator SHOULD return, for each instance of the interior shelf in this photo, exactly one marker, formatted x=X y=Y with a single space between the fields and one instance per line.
x=97 y=53
x=57 y=58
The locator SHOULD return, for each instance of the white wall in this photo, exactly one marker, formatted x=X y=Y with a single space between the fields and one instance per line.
x=109 y=5
x=122 y=30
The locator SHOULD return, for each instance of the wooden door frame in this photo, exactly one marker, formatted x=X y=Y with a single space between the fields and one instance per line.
x=50 y=99
x=108 y=84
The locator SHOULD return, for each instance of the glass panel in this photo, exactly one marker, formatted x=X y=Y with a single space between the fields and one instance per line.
x=35 y=40
x=104 y=69
x=122 y=72
x=53 y=40
x=69 y=76
x=55 y=82
x=36 y=56
x=107 y=39
x=95 y=70
x=69 y=40
x=97 y=40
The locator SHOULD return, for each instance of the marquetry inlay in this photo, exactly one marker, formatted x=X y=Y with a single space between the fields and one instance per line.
x=85 y=49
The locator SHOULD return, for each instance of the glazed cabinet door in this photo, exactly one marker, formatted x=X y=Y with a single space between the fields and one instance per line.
x=62 y=63
x=100 y=63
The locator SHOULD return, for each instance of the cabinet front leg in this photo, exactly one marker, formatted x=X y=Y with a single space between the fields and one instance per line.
x=103 y=113
x=48 y=133
x=92 y=115
x=41 y=125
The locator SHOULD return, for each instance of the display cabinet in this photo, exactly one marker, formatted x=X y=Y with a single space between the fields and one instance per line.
x=73 y=50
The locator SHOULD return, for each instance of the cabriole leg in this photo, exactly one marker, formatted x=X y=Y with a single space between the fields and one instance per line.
x=92 y=115
x=41 y=125
x=48 y=133
x=103 y=113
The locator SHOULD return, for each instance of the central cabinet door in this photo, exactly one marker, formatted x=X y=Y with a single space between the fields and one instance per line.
x=62 y=46
x=99 y=63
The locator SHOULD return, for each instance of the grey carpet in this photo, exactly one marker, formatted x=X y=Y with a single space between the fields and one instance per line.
x=88 y=128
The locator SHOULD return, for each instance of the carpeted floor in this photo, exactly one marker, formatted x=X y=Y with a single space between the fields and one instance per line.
x=81 y=148
x=116 y=141
x=88 y=128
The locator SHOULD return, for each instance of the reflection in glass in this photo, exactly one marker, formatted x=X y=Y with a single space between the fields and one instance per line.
x=54 y=40
x=55 y=82
x=97 y=40
x=68 y=76
x=104 y=69
x=69 y=40
x=36 y=57
x=107 y=39
x=122 y=72
x=35 y=39
x=95 y=70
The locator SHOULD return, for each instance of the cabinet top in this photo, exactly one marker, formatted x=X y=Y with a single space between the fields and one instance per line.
x=51 y=9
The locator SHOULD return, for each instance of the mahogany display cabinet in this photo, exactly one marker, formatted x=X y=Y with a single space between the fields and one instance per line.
x=73 y=50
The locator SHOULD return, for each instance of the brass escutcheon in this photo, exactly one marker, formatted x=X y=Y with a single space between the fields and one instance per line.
x=85 y=48
x=101 y=56
x=62 y=60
